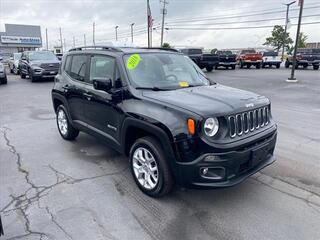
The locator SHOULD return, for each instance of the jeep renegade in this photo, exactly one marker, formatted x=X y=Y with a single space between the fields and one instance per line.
x=157 y=107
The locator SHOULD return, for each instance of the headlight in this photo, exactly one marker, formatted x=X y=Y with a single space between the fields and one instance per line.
x=211 y=127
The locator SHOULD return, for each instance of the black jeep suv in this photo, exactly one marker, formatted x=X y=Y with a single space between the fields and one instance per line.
x=157 y=107
x=38 y=64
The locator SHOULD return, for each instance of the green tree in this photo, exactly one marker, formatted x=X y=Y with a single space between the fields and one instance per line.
x=302 y=40
x=166 y=45
x=278 y=38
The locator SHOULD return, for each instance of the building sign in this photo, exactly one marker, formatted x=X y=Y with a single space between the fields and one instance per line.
x=21 y=40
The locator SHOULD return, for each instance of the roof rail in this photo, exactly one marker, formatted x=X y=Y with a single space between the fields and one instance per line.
x=160 y=48
x=112 y=48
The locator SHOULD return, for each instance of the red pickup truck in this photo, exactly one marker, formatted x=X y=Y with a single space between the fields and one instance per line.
x=249 y=57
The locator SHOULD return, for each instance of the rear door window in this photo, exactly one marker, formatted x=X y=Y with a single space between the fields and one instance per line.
x=102 y=67
x=78 y=67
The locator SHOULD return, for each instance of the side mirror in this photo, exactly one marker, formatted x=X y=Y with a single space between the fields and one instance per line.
x=103 y=84
x=23 y=58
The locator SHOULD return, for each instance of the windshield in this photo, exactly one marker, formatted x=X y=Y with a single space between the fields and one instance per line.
x=16 y=56
x=270 y=54
x=248 y=51
x=224 y=52
x=163 y=71
x=34 y=56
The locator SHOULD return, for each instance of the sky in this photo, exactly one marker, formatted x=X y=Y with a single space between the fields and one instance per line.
x=76 y=17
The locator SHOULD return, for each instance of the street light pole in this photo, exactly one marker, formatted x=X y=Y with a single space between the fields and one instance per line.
x=285 y=28
x=116 y=28
x=294 y=60
x=164 y=12
x=131 y=31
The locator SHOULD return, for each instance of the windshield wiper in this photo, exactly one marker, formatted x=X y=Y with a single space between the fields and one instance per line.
x=152 y=88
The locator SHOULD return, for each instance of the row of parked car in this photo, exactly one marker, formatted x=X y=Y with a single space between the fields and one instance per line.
x=250 y=57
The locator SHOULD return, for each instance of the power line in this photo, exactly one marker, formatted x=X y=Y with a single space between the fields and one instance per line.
x=233 y=28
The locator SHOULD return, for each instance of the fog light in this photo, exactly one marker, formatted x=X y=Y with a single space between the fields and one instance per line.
x=215 y=173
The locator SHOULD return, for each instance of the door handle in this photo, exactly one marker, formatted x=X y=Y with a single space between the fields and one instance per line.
x=88 y=96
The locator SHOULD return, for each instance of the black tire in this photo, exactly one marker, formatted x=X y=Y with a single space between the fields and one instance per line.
x=209 y=69
x=297 y=66
x=216 y=67
x=233 y=67
x=15 y=70
x=33 y=78
x=241 y=64
x=165 y=180
x=248 y=66
x=263 y=65
x=287 y=64
x=305 y=66
x=71 y=133
x=258 y=66
x=11 y=69
x=4 y=80
x=22 y=75
x=315 y=67
x=278 y=65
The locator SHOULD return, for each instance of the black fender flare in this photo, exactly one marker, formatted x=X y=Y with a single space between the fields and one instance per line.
x=65 y=104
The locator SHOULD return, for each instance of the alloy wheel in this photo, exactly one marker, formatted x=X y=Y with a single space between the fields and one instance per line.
x=62 y=122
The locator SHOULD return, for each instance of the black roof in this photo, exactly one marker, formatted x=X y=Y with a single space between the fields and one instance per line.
x=123 y=49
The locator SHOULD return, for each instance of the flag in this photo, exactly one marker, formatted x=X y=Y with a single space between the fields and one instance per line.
x=150 y=20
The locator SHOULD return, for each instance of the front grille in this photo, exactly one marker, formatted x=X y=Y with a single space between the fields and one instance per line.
x=50 y=66
x=250 y=121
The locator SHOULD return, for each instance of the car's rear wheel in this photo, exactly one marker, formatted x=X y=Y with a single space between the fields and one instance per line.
x=22 y=75
x=209 y=69
x=233 y=67
x=315 y=67
x=278 y=65
x=258 y=66
x=66 y=130
x=248 y=65
x=287 y=64
x=149 y=167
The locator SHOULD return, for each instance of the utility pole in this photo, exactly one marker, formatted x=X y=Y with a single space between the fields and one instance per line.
x=84 y=40
x=47 y=45
x=74 y=42
x=286 y=26
x=292 y=78
x=132 y=31
x=116 y=28
x=93 y=33
x=164 y=12
x=64 y=43
x=61 y=39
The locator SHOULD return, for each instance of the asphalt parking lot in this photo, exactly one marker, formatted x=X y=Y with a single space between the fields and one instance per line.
x=53 y=189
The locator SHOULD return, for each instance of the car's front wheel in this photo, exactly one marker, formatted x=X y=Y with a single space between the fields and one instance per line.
x=209 y=69
x=149 y=167
x=66 y=130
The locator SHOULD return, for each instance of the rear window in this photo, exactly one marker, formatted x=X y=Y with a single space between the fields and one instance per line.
x=195 y=51
x=270 y=54
x=248 y=51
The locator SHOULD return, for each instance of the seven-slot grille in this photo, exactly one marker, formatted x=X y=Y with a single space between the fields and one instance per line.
x=246 y=122
x=50 y=66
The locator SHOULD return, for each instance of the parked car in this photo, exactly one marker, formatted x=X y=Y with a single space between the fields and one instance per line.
x=226 y=59
x=38 y=65
x=305 y=57
x=14 y=63
x=249 y=57
x=270 y=59
x=158 y=108
x=203 y=60
x=3 y=75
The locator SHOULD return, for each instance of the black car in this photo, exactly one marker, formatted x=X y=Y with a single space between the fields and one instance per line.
x=157 y=107
x=305 y=57
x=226 y=59
x=3 y=74
x=38 y=65
x=204 y=60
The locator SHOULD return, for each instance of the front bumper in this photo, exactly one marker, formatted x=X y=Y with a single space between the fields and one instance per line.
x=228 y=168
x=252 y=62
x=227 y=63
x=271 y=62
x=43 y=73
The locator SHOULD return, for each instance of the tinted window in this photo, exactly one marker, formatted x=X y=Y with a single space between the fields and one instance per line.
x=224 y=52
x=270 y=54
x=248 y=51
x=78 y=67
x=67 y=64
x=102 y=67
x=195 y=51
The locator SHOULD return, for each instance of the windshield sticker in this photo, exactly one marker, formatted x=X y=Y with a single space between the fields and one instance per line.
x=184 y=84
x=133 y=61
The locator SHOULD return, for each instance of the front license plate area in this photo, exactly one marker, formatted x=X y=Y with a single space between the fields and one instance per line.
x=258 y=156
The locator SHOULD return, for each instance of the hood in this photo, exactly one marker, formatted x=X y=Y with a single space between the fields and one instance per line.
x=217 y=100
x=39 y=62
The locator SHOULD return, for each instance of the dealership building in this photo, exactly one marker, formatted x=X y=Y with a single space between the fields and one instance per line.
x=18 y=38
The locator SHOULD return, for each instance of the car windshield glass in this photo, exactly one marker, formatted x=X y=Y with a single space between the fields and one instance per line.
x=248 y=51
x=163 y=71
x=33 y=56
x=16 y=56
x=270 y=54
